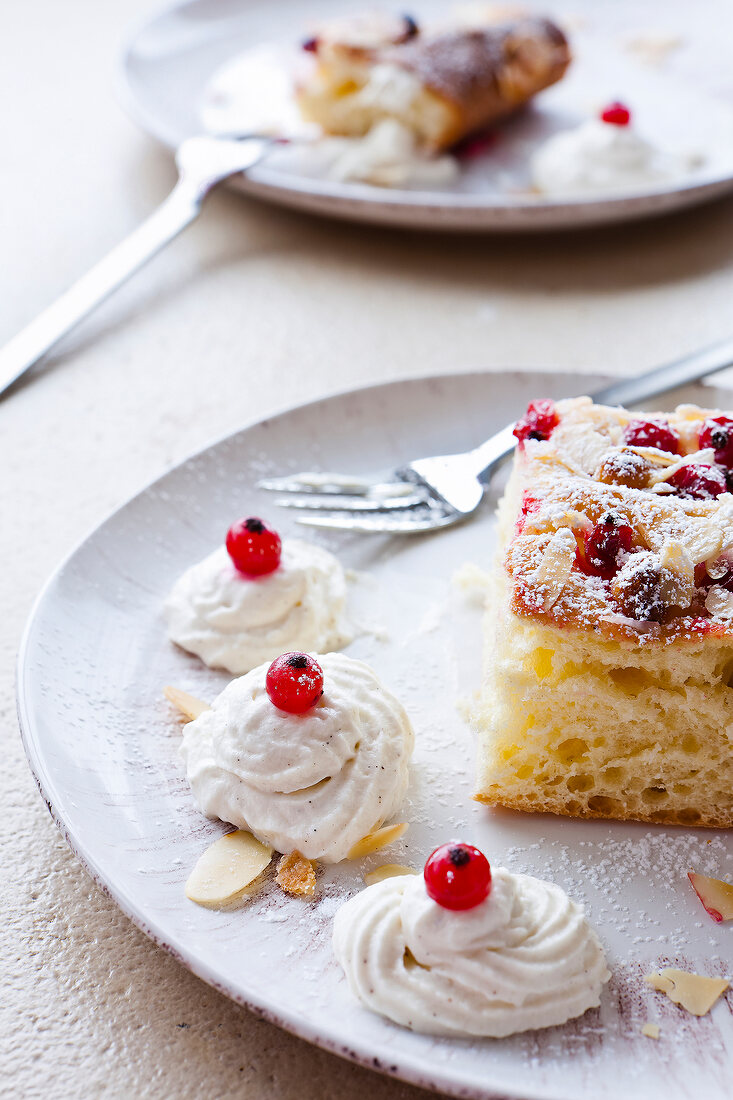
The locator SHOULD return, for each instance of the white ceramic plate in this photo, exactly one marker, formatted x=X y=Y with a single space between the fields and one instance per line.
x=102 y=743
x=169 y=62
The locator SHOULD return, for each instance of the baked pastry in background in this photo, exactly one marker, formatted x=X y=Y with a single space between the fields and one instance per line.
x=609 y=633
x=442 y=86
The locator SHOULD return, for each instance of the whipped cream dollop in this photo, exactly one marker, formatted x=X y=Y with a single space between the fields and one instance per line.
x=524 y=958
x=236 y=622
x=388 y=156
x=315 y=782
x=598 y=157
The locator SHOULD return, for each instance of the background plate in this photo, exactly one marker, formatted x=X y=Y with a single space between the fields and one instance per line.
x=102 y=743
x=680 y=101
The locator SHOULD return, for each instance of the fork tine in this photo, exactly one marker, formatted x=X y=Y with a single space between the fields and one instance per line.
x=353 y=504
x=382 y=525
x=333 y=484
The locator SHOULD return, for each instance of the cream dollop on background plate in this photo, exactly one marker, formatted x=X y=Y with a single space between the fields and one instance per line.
x=236 y=622
x=598 y=157
x=524 y=958
x=315 y=782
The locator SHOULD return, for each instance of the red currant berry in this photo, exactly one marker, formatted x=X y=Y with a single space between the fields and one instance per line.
x=253 y=547
x=698 y=482
x=477 y=146
x=616 y=114
x=294 y=682
x=601 y=547
x=457 y=876
x=539 y=421
x=310 y=45
x=652 y=433
x=717 y=432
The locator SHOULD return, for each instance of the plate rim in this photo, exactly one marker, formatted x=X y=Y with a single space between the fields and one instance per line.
x=310 y=193
x=399 y=1066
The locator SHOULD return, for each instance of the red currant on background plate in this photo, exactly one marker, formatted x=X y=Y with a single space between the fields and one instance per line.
x=717 y=432
x=698 y=482
x=616 y=114
x=539 y=421
x=294 y=682
x=652 y=433
x=457 y=875
x=601 y=547
x=254 y=547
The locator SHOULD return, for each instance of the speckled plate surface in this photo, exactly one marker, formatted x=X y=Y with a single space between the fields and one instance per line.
x=103 y=743
x=672 y=71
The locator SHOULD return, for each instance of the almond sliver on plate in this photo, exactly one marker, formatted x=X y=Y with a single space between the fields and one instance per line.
x=387 y=870
x=380 y=838
x=189 y=706
x=225 y=870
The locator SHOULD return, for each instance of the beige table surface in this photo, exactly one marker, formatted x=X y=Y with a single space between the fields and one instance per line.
x=252 y=309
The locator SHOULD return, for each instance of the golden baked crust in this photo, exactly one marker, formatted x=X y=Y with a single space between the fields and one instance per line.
x=482 y=76
x=609 y=696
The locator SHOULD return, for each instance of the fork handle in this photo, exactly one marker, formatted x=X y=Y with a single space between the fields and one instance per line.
x=628 y=391
x=174 y=214
x=202 y=162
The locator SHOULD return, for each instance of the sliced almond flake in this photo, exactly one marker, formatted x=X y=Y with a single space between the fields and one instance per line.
x=717 y=567
x=701 y=458
x=719 y=602
x=387 y=870
x=654 y=455
x=724 y=520
x=225 y=870
x=380 y=838
x=678 y=584
x=693 y=992
x=553 y=572
x=703 y=541
x=586 y=449
x=691 y=412
x=650 y=1030
x=545 y=453
x=296 y=875
x=189 y=706
x=577 y=521
x=715 y=894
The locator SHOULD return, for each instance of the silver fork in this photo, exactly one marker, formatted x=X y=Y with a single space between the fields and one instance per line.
x=202 y=162
x=431 y=493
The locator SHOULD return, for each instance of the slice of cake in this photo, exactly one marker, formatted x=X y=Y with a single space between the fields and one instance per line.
x=609 y=631
x=441 y=86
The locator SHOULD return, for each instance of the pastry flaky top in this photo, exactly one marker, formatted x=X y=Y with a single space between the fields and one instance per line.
x=671 y=579
x=511 y=61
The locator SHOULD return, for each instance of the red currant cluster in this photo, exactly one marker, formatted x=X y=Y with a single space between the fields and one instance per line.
x=697 y=481
x=539 y=421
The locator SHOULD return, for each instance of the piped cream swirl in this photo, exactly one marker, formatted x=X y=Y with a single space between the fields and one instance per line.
x=599 y=157
x=525 y=958
x=236 y=622
x=316 y=782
